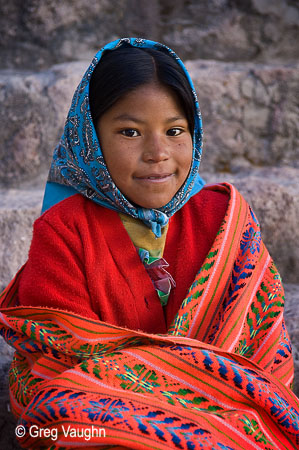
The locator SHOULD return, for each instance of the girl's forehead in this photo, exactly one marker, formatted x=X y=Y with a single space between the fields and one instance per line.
x=151 y=90
x=151 y=99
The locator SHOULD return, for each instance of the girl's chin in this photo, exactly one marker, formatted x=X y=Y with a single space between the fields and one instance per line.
x=149 y=205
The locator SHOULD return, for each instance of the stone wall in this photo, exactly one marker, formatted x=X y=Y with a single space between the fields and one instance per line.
x=243 y=57
x=37 y=34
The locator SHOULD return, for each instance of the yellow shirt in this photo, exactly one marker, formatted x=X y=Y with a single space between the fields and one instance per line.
x=143 y=237
x=151 y=250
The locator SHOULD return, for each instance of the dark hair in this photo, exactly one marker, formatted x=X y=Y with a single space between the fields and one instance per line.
x=126 y=68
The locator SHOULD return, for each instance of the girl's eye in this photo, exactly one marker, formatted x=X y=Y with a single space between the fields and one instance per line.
x=174 y=131
x=130 y=132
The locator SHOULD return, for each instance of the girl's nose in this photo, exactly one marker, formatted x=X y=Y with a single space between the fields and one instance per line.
x=156 y=149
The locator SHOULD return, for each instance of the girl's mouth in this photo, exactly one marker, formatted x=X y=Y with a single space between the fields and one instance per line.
x=155 y=178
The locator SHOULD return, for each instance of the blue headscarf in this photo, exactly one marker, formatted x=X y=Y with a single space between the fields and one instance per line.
x=78 y=164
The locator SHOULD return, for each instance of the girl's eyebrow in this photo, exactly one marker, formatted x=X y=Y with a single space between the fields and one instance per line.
x=123 y=117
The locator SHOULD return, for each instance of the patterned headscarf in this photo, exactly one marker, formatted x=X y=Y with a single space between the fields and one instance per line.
x=78 y=164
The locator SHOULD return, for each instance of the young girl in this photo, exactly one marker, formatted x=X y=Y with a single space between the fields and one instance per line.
x=149 y=306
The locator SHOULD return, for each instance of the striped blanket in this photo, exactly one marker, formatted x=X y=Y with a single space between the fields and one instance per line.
x=220 y=379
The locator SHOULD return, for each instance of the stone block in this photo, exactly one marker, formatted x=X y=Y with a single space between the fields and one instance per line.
x=18 y=210
x=273 y=194
x=32 y=116
x=292 y=323
x=38 y=34
x=249 y=114
x=7 y=420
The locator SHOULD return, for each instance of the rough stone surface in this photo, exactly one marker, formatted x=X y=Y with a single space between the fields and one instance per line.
x=232 y=30
x=292 y=322
x=274 y=196
x=249 y=114
x=32 y=116
x=7 y=421
x=18 y=210
x=38 y=34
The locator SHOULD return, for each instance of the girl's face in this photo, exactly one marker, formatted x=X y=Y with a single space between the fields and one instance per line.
x=147 y=146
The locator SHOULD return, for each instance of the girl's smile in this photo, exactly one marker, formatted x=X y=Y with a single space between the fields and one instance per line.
x=147 y=145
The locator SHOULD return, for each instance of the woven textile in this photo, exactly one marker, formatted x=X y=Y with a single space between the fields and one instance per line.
x=219 y=379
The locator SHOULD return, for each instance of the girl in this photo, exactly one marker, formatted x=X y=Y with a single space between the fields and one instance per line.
x=131 y=150
x=149 y=305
